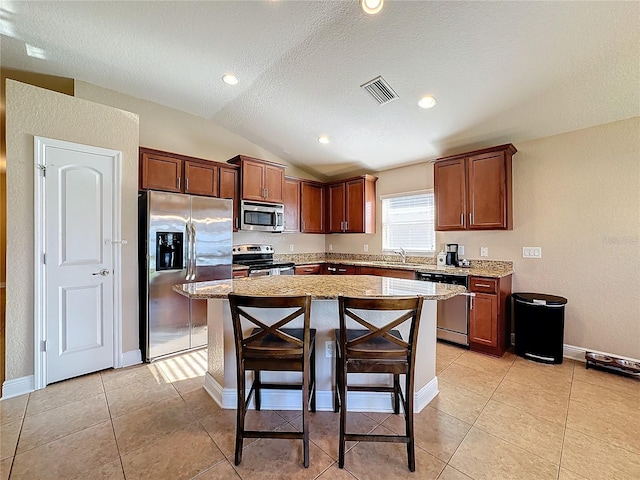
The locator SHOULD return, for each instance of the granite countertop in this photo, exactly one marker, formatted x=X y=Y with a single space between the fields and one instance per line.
x=319 y=287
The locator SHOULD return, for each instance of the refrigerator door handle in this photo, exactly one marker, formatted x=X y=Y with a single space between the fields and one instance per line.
x=188 y=252
x=193 y=251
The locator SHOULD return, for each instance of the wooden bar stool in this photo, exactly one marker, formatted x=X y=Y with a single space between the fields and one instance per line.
x=378 y=349
x=270 y=347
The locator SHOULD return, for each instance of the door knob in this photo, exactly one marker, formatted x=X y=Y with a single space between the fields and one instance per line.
x=104 y=272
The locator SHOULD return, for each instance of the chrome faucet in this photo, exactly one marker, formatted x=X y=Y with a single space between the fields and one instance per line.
x=402 y=254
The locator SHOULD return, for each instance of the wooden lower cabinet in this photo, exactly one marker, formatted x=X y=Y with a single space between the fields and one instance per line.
x=489 y=315
x=388 y=272
x=314 y=269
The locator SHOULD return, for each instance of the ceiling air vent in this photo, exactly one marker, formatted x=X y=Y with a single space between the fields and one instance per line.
x=380 y=90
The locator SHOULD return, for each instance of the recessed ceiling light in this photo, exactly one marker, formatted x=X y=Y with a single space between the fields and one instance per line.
x=371 y=6
x=323 y=139
x=427 y=102
x=230 y=79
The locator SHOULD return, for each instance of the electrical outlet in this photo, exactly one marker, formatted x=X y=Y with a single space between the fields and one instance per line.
x=291 y=247
x=531 y=252
x=328 y=348
x=366 y=247
x=460 y=249
x=331 y=247
x=484 y=251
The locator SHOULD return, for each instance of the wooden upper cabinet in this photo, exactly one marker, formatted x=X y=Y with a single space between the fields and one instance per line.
x=200 y=179
x=473 y=191
x=489 y=193
x=352 y=205
x=312 y=216
x=260 y=180
x=335 y=207
x=450 y=195
x=228 y=188
x=291 y=204
x=160 y=172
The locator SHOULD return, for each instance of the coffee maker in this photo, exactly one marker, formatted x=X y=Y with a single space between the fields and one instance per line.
x=452 y=254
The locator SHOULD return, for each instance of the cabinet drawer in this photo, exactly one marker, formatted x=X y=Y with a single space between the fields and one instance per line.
x=342 y=270
x=240 y=273
x=483 y=285
x=307 y=270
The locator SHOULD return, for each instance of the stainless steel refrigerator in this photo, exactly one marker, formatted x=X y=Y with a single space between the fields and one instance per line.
x=182 y=238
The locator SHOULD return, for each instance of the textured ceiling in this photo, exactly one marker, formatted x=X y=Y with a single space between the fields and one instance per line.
x=501 y=71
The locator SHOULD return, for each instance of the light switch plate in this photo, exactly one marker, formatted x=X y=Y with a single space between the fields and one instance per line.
x=366 y=247
x=484 y=251
x=331 y=247
x=531 y=252
x=291 y=248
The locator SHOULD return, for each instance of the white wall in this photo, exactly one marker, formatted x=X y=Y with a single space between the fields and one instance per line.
x=34 y=111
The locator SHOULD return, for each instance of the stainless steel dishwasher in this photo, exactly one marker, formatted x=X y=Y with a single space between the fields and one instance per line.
x=452 y=314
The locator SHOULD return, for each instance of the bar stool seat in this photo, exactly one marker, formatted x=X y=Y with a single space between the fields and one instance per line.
x=270 y=347
x=377 y=349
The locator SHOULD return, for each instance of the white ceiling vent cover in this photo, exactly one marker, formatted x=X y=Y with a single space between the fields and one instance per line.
x=380 y=90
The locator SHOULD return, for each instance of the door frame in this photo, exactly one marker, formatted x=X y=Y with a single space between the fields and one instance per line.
x=40 y=320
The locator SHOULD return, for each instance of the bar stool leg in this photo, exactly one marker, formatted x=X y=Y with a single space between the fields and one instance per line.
x=257 y=385
x=343 y=412
x=396 y=394
x=336 y=391
x=305 y=413
x=408 y=414
x=241 y=411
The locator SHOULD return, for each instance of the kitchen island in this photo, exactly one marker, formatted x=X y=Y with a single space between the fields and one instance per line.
x=220 y=381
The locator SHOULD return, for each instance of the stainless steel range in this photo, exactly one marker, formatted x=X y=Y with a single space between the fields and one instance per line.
x=259 y=259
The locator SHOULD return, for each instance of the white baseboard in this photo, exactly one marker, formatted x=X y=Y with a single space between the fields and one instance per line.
x=290 y=399
x=577 y=353
x=132 y=357
x=18 y=386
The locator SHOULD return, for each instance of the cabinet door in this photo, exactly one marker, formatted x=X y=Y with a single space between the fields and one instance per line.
x=273 y=184
x=252 y=181
x=354 y=206
x=161 y=173
x=450 y=194
x=487 y=203
x=336 y=207
x=483 y=320
x=312 y=208
x=291 y=205
x=229 y=189
x=200 y=179
x=388 y=272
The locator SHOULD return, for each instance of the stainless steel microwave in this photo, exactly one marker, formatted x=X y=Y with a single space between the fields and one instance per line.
x=264 y=217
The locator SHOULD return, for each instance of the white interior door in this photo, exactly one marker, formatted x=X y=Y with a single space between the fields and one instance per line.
x=78 y=267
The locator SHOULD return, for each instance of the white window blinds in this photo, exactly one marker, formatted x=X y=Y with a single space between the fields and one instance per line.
x=407 y=222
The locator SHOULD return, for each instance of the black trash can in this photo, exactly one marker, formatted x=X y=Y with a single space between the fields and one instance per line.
x=539 y=326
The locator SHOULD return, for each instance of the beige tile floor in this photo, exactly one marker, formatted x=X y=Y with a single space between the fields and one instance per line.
x=493 y=419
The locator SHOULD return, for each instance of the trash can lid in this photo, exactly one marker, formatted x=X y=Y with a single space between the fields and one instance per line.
x=539 y=299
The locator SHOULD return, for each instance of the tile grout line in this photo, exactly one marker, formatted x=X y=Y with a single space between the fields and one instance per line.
x=113 y=429
x=15 y=450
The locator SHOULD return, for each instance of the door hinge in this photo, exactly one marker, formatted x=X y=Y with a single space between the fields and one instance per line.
x=44 y=258
x=44 y=345
x=43 y=169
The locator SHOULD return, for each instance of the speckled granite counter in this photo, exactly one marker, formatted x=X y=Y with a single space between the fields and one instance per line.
x=220 y=380
x=319 y=287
